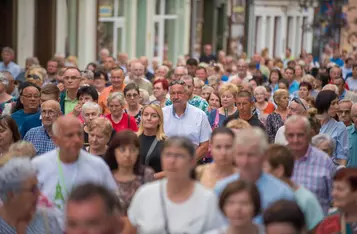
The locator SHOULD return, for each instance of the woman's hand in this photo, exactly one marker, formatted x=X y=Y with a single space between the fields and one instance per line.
x=60 y=86
x=77 y=110
x=159 y=175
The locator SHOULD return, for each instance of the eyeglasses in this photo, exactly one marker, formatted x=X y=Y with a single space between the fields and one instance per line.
x=298 y=101
x=67 y=78
x=175 y=82
x=35 y=77
x=132 y=95
x=49 y=113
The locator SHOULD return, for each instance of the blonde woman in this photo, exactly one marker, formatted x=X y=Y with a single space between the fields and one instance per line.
x=151 y=136
x=100 y=131
x=228 y=93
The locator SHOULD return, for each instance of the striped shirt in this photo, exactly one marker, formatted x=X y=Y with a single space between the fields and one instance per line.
x=315 y=171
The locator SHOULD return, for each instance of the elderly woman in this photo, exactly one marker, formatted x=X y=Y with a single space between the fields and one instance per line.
x=263 y=107
x=120 y=120
x=87 y=78
x=228 y=94
x=326 y=105
x=19 y=194
x=173 y=199
x=151 y=136
x=131 y=94
x=9 y=133
x=144 y=98
x=90 y=111
x=100 y=131
x=206 y=91
x=197 y=86
x=276 y=119
x=5 y=98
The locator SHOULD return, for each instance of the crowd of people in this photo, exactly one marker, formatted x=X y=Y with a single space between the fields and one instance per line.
x=213 y=145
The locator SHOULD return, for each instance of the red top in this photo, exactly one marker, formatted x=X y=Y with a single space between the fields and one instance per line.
x=269 y=109
x=124 y=122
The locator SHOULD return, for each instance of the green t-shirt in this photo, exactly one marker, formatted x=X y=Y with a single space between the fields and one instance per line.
x=69 y=104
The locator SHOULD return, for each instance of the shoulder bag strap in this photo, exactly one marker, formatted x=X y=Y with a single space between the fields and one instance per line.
x=151 y=149
x=163 y=207
x=216 y=120
x=128 y=121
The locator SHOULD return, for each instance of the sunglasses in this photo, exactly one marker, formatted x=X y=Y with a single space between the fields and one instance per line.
x=298 y=101
x=35 y=77
x=175 y=82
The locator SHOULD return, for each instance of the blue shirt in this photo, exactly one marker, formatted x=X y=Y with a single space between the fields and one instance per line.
x=19 y=117
x=338 y=132
x=192 y=124
x=12 y=67
x=338 y=61
x=352 y=137
x=270 y=188
x=31 y=122
x=294 y=87
x=40 y=140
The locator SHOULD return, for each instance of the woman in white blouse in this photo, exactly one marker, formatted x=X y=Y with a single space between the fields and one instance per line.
x=178 y=203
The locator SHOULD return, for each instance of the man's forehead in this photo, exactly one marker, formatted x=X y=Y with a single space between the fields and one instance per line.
x=345 y=105
x=71 y=71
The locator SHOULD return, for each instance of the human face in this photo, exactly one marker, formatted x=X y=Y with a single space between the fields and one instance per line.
x=280 y=228
x=197 y=89
x=137 y=71
x=177 y=162
x=99 y=84
x=70 y=137
x=274 y=77
x=71 y=79
x=189 y=85
x=344 y=112
x=97 y=139
x=289 y=75
x=6 y=57
x=283 y=101
x=159 y=91
x=244 y=105
x=282 y=86
x=126 y=155
x=317 y=84
x=6 y=137
x=179 y=73
x=109 y=63
x=213 y=101
x=115 y=107
x=222 y=149
x=332 y=111
x=298 y=71
x=227 y=99
x=354 y=72
x=206 y=93
x=150 y=118
x=85 y=98
x=201 y=73
x=324 y=146
x=89 y=217
x=303 y=92
x=249 y=160
x=52 y=67
x=295 y=108
x=191 y=69
x=89 y=114
x=334 y=73
x=242 y=68
x=132 y=97
x=259 y=95
x=340 y=85
x=30 y=98
x=46 y=97
x=253 y=83
x=49 y=114
x=239 y=209
x=117 y=77
x=297 y=136
x=178 y=95
x=342 y=195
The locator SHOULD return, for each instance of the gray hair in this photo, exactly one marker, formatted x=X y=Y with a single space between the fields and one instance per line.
x=207 y=87
x=349 y=101
x=13 y=174
x=182 y=142
x=181 y=67
x=252 y=136
x=116 y=95
x=91 y=105
x=146 y=96
x=198 y=81
x=32 y=61
x=294 y=118
x=331 y=87
x=88 y=74
x=262 y=88
x=23 y=148
x=320 y=138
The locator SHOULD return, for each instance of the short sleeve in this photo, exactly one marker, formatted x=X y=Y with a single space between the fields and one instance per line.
x=206 y=130
x=134 y=210
x=215 y=218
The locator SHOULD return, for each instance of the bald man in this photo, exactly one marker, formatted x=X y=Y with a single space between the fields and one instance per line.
x=40 y=136
x=352 y=138
x=60 y=170
x=137 y=76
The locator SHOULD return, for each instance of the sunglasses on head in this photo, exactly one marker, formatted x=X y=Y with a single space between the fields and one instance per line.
x=175 y=82
x=35 y=77
x=298 y=101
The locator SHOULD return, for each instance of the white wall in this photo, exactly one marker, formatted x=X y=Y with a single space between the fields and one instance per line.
x=61 y=27
x=25 y=30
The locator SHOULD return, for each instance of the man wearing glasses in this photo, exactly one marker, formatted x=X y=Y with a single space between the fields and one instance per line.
x=71 y=80
x=352 y=138
x=297 y=106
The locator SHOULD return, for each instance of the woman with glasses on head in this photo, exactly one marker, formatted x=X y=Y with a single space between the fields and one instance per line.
x=151 y=136
x=327 y=106
x=118 y=117
x=9 y=133
x=19 y=194
x=5 y=98
x=131 y=94
x=178 y=203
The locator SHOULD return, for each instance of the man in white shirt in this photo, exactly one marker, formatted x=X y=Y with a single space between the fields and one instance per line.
x=182 y=119
x=60 y=170
x=137 y=76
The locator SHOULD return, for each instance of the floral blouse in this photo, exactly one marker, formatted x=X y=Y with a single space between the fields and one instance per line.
x=137 y=116
x=273 y=123
x=126 y=190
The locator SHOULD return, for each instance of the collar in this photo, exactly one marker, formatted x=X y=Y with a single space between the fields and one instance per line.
x=306 y=156
x=354 y=130
x=66 y=98
x=174 y=113
x=44 y=130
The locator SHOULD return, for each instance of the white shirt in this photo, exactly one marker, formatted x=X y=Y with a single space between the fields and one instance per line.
x=192 y=124
x=280 y=136
x=197 y=215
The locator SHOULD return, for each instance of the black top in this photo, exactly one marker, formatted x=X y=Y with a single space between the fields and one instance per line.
x=154 y=161
x=253 y=121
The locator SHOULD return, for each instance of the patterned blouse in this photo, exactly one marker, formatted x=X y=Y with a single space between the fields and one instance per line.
x=12 y=101
x=126 y=190
x=137 y=116
x=273 y=123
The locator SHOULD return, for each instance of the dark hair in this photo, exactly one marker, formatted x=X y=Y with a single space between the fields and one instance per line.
x=349 y=175
x=217 y=94
x=123 y=138
x=192 y=62
x=131 y=86
x=222 y=130
x=284 y=211
x=306 y=84
x=240 y=186
x=97 y=75
x=72 y=68
x=51 y=89
x=91 y=64
x=323 y=100
x=290 y=68
x=245 y=93
x=164 y=82
x=87 y=191
x=285 y=82
x=280 y=155
x=22 y=86
x=324 y=78
x=182 y=142
x=89 y=90
x=7 y=122
x=354 y=66
x=275 y=71
x=201 y=68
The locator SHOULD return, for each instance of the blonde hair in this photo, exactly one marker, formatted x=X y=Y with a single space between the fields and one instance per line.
x=278 y=94
x=116 y=95
x=228 y=87
x=160 y=134
x=238 y=124
x=102 y=123
x=23 y=149
x=308 y=78
x=146 y=96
